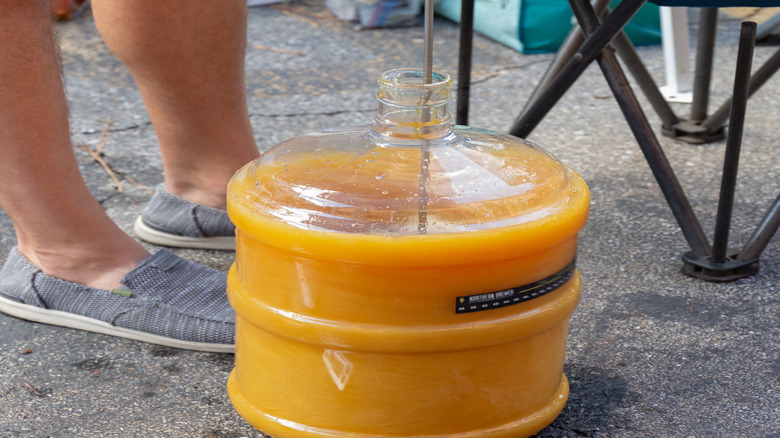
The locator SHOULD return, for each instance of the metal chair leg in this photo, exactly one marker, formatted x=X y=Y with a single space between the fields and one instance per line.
x=648 y=142
x=728 y=186
x=700 y=128
x=645 y=81
x=464 y=61
x=721 y=265
x=692 y=130
x=568 y=48
x=762 y=234
x=591 y=48
x=708 y=26
x=759 y=78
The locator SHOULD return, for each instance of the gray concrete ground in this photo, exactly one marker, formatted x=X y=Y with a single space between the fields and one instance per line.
x=651 y=352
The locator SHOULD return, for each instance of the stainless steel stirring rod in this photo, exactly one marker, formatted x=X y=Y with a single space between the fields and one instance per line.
x=428 y=55
x=425 y=153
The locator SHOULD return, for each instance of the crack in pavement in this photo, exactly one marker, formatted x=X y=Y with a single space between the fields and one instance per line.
x=93 y=131
x=501 y=70
x=316 y=113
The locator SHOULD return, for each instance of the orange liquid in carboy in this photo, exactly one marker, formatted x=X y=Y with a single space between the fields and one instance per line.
x=355 y=334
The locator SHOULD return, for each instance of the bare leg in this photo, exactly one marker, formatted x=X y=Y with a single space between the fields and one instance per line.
x=187 y=58
x=188 y=61
x=59 y=225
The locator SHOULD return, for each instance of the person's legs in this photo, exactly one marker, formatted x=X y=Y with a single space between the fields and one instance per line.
x=71 y=256
x=188 y=61
x=59 y=225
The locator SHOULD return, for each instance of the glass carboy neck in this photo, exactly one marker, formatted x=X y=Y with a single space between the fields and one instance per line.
x=412 y=110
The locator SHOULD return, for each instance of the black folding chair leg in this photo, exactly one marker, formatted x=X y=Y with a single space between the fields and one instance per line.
x=762 y=234
x=645 y=80
x=705 y=50
x=590 y=49
x=464 y=61
x=692 y=130
x=648 y=142
x=701 y=128
x=747 y=41
x=759 y=78
x=568 y=48
x=723 y=266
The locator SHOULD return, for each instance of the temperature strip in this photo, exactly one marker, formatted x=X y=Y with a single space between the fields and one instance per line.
x=516 y=295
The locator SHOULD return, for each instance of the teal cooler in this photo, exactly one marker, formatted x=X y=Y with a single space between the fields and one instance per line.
x=539 y=26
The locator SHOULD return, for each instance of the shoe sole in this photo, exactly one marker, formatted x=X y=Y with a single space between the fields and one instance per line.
x=70 y=320
x=158 y=237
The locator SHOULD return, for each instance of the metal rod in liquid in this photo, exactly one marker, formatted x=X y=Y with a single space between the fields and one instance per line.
x=425 y=153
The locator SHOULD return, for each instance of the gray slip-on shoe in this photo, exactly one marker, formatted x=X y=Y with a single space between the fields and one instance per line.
x=170 y=220
x=166 y=300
